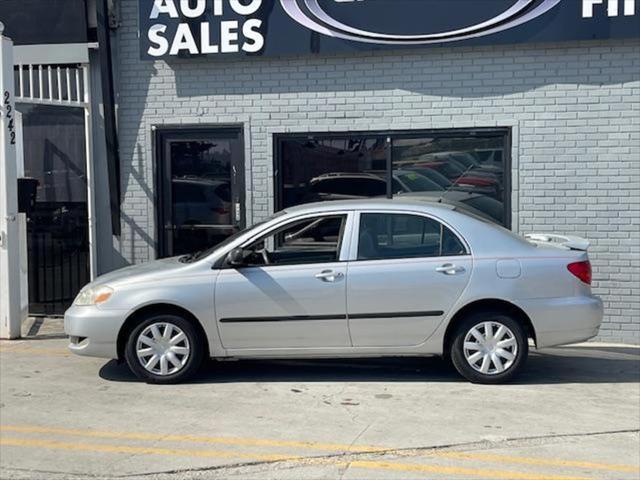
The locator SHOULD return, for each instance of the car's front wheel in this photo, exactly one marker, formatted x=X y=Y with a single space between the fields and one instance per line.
x=489 y=347
x=164 y=349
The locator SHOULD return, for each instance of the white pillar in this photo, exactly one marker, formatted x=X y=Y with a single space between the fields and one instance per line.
x=10 y=321
x=22 y=228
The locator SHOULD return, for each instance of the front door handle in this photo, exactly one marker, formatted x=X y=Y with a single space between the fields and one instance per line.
x=329 y=276
x=450 y=269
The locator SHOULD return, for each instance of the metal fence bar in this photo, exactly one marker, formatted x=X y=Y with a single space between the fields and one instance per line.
x=69 y=99
x=30 y=81
x=59 y=77
x=41 y=82
x=20 y=81
x=50 y=83
x=78 y=97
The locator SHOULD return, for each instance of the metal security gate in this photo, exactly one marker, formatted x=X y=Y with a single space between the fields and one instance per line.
x=55 y=104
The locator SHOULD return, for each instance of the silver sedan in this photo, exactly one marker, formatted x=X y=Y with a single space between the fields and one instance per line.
x=364 y=278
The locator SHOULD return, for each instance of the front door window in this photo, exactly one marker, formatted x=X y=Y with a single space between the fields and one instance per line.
x=312 y=240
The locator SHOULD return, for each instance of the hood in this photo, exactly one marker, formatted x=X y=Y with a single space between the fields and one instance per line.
x=138 y=272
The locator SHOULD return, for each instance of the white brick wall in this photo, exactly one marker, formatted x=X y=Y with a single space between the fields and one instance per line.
x=574 y=110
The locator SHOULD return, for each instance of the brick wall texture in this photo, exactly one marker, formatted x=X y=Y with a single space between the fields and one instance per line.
x=574 y=110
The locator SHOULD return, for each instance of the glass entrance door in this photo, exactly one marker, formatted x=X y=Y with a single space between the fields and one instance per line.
x=201 y=186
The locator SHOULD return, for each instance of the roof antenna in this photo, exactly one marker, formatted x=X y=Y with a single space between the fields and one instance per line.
x=453 y=184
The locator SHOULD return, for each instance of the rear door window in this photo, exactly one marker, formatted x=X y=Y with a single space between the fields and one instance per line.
x=387 y=236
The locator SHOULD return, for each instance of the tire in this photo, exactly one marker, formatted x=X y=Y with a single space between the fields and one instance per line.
x=471 y=357
x=182 y=346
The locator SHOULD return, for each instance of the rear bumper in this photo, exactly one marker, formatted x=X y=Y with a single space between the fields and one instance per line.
x=560 y=321
x=93 y=332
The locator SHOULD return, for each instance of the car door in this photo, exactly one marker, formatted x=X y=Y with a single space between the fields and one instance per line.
x=409 y=271
x=298 y=299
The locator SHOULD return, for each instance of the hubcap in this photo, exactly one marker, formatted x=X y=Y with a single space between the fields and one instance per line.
x=490 y=348
x=162 y=348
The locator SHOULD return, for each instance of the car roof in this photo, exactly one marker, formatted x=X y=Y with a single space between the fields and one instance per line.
x=406 y=202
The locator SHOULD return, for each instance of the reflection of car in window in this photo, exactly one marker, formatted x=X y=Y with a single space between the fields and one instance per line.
x=341 y=186
x=201 y=202
x=344 y=186
x=460 y=175
x=436 y=177
x=408 y=181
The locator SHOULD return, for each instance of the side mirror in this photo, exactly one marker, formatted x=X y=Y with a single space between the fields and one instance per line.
x=236 y=257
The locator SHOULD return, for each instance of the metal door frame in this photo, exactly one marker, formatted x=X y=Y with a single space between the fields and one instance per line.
x=163 y=196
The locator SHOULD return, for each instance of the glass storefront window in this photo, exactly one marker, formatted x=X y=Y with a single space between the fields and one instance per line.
x=318 y=169
x=467 y=168
x=467 y=171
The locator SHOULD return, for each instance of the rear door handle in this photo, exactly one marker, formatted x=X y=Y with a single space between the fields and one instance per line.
x=329 y=276
x=450 y=269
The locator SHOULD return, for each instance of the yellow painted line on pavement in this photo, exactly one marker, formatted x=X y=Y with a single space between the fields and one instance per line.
x=487 y=457
x=93 y=447
x=370 y=465
x=469 y=472
x=190 y=438
x=40 y=351
x=257 y=442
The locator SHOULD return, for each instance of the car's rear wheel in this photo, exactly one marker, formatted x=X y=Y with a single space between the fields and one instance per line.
x=489 y=347
x=164 y=349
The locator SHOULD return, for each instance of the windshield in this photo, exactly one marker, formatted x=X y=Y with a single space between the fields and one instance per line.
x=419 y=183
x=205 y=253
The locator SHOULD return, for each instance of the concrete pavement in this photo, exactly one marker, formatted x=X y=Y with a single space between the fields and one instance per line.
x=575 y=413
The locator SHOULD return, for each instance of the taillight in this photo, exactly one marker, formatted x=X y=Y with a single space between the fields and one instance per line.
x=582 y=270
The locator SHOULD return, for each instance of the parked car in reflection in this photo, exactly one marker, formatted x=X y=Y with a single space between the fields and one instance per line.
x=345 y=186
x=467 y=177
x=199 y=201
x=493 y=157
x=359 y=278
x=470 y=162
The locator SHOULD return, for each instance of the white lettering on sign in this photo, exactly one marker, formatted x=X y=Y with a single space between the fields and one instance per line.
x=241 y=9
x=197 y=11
x=613 y=7
x=164 y=6
x=160 y=45
x=254 y=39
x=224 y=36
x=183 y=41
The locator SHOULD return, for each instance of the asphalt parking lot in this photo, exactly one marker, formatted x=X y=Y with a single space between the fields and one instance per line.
x=574 y=413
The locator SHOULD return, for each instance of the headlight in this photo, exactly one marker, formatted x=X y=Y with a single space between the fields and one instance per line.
x=93 y=296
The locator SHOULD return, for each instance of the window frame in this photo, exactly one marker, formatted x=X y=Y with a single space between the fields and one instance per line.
x=355 y=236
x=506 y=132
x=344 y=243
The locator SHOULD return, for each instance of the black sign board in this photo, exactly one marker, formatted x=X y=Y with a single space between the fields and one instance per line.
x=221 y=28
x=29 y=22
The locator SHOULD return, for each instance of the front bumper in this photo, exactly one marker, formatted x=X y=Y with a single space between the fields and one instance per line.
x=93 y=332
x=560 y=321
